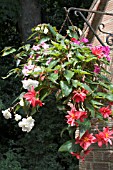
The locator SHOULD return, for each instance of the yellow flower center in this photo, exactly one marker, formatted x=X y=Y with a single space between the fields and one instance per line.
x=107 y=135
x=86 y=139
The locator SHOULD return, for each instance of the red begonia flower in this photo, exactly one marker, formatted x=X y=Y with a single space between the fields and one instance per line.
x=104 y=137
x=86 y=140
x=105 y=111
x=31 y=97
x=79 y=95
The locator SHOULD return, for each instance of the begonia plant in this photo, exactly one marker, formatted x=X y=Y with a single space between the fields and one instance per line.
x=75 y=72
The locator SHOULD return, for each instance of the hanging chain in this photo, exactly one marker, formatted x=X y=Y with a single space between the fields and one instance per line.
x=67 y=18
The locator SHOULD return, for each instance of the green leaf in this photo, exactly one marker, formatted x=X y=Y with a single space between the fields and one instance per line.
x=67 y=146
x=78 y=55
x=68 y=75
x=103 y=84
x=71 y=130
x=79 y=71
x=103 y=77
x=53 y=63
x=109 y=97
x=85 y=86
x=32 y=35
x=82 y=132
x=44 y=39
x=52 y=30
x=75 y=83
x=27 y=47
x=96 y=104
x=90 y=108
x=53 y=77
x=100 y=95
x=58 y=46
x=66 y=88
x=84 y=126
x=111 y=87
x=8 y=50
x=90 y=59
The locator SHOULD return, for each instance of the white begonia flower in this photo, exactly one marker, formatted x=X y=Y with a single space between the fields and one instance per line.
x=26 y=124
x=37 y=28
x=45 y=30
x=21 y=102
x=36 y=70
x=27 y=84
x=7 y=114
x=17 y=117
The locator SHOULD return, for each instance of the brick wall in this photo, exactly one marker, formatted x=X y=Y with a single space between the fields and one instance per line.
x=100 y=158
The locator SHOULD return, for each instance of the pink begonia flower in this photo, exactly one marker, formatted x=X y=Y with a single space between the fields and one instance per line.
x=108 y=58
x=96 y=69
x=86 y=140
x=74 y=40
x=27 y=69
x=104 y=137
x=106 y=51
x=44 y=45
x=30 y=56
x=48 y=62
x=36 y=47
x=84 y=40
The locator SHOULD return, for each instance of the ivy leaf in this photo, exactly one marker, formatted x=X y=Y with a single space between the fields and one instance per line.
x=66 y=88
x=68 y=75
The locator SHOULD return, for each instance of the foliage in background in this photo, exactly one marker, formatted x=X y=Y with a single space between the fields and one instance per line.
x=9 y=13
x=53 y=11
